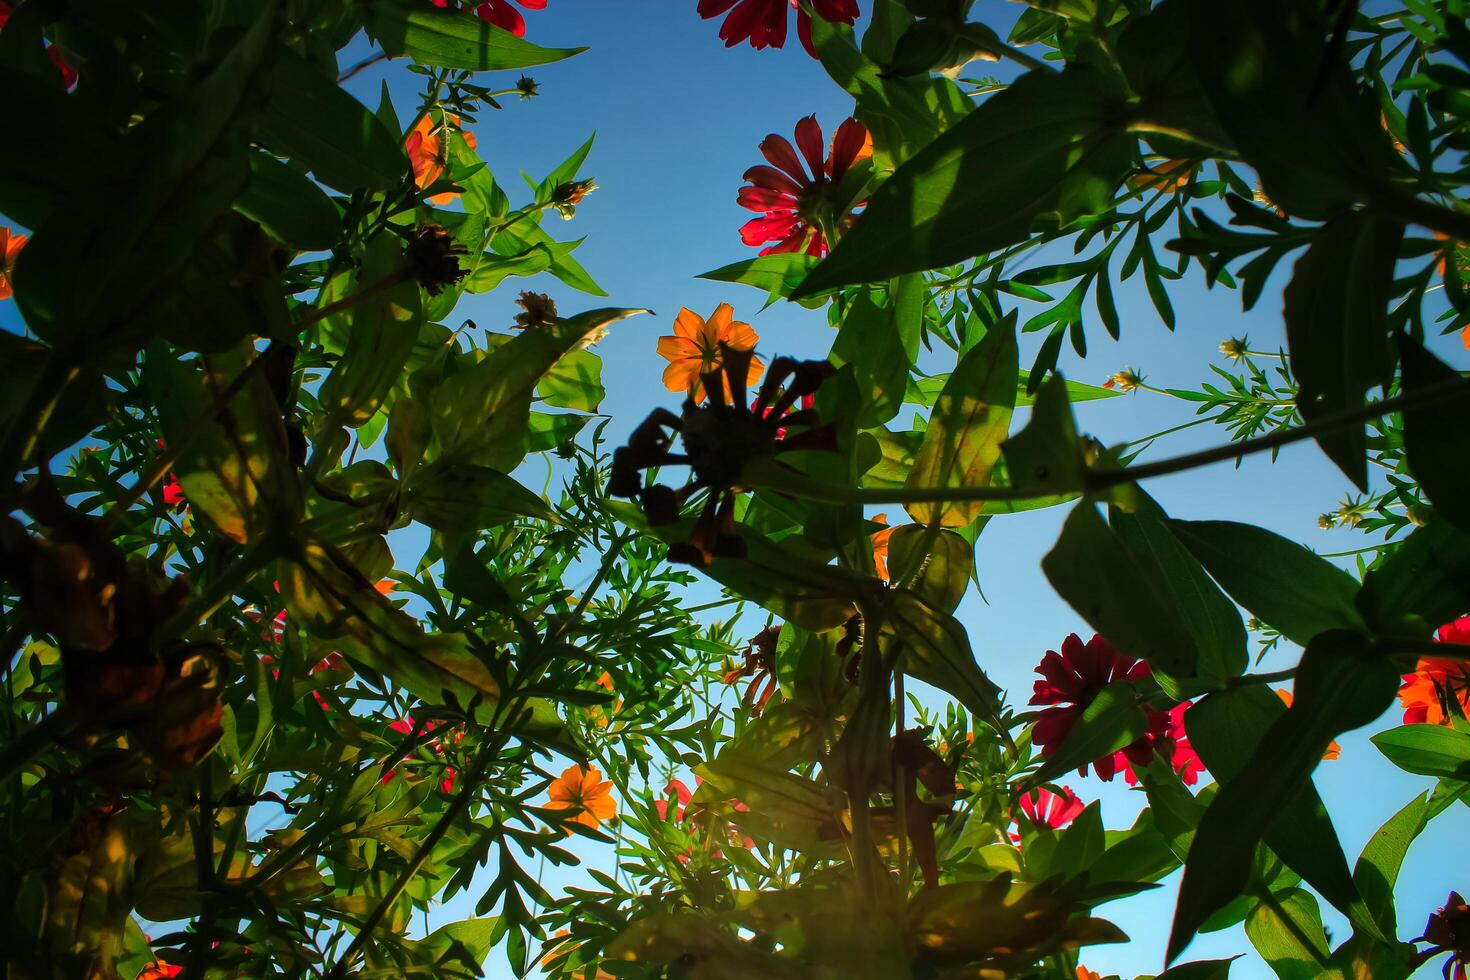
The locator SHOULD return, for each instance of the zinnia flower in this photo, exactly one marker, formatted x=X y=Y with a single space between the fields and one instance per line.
x=585 y=791
x=763 y=22
x=406 y=726
x=159 y=970
x=694 y=349
x=796 y=204
x=427 y=145
x=1438 y=682
x=1072 y=678
x=502 y=14
x=1051 y=810
x=10 y=246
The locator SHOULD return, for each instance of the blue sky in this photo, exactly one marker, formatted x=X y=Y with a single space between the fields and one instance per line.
x=678 y=118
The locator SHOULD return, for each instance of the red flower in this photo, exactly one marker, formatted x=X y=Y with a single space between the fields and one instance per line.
x=502 y=14
x=763 y=22
x=1072 y=678
x=1438 y=683
x=796 y=203
x=1051 y=810
x=68 y=73
x=405 y=726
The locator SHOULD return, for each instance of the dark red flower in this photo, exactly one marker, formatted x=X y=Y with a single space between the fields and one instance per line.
x=796 y=204
x=760 y=667
x=763 y=22
x=1072 y=678
x=502 y=14
x=676 y=797
x=1448 y=931
x=1051 y=810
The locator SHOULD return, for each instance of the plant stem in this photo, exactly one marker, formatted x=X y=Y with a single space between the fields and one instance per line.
x=1271 y=678
x=764 y=474
x=348 y=302
x=30 y=420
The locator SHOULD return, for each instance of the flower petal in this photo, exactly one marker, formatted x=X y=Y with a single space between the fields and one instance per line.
x=779 y=152
x=809 y=139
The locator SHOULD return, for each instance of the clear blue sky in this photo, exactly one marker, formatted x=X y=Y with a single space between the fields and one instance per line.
x=678 y=118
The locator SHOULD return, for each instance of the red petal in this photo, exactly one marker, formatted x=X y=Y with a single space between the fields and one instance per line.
x=777 y=150
x=764 y=199
x=772 y=179
x=791 y=243
x=848 y=142
x=532 y=4
x=837 y=11
x=804 y=33
x=769 y=228
x=809 y=138
x=502 y=15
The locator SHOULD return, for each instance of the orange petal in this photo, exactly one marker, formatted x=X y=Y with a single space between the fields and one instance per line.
x=740 y=336
x=469 y=139
x=676 y=348
x=756 y=370
x=720 y=320
x=680 y=375
x=688 y=324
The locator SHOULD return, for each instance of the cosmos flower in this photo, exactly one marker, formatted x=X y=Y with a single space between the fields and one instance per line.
x=427 y=145
x=880 y=546
x=10 y=246
x=797 y=202
x=586 y=792
x=694 y=349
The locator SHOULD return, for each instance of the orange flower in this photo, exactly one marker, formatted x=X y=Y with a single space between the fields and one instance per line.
x=10 y=246
x=1438 y=682
x=561 y=948
x=428 y=151
x=880 y=546
x=1465 y=336
x=585 y=791
x=1333 y=751
x=694 y=349
x=1083 y=973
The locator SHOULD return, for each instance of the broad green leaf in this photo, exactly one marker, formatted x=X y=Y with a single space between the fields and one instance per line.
x=971 y=419
x=1111 y=721
x=237 y=473
x=879 y=337
x=777 y=274
x=1377 y=870
x=564 y=171
x=1161 y=72
x=103 y=254
x=1337 y=327
x=895 y=457
x=1204 y=609
x=1278 y=580
x=1122 y=594
x=815 y=597
x=1226 y=729
x=783 y=806
x=32 y=184
x=1286 y=929
x=1081 y=844
x=380 y=334
x=1429 y=750
x=1436 y=440
x=1293 y=112
x=1341 y=684
x=932 y=562
x=1421 y=585
x=1047 y=142
x=311 y=119
x=574 y=382
x=462 y=497
x=518 y=238
x=545 y=432
x=480 y=414
x=936 y=650
x=288 y=206
x=1199 y=970
x=453 y=38
x=1047 y=455
x=494 y=268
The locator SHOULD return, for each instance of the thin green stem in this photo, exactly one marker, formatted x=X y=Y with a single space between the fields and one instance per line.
x=348 y=302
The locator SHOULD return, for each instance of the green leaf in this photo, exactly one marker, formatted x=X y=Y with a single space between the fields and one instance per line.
x=288 y=206
x=1199 y=970
x=380 y=334
x=1111 y=721
x=1210 y=616
x=1429 y=750
x=1049 y=141
x=1421 y=585
x=480 y=414
x=1047 y=455
x=971 y=419
x=935 y=563
x=461 y=497
x=1378 y=866
x=493 y=268
x=33 y=184
x=1340 y=685
x=453 y=39
x=1278 y=580
x=1226 y=729
x=1122 y=594
x=936 y=650
x=778 y=275
x=309 y=118
x=516 y=239
x=1337 y=327
x=1286 y=929
x=545 y=432
x=1314 y=139
x=1436 y=440
x=574 y=382
x=565 y=171
x=815 y=597
x=879 y=337
x=1081 y=844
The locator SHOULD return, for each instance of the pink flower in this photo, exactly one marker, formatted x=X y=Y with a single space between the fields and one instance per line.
x=502 y=14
